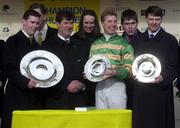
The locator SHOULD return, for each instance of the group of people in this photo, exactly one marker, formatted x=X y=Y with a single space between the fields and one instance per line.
x=151 y=103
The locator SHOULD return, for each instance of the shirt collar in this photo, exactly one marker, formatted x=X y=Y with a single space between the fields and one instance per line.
x=28 y=36
x=154 y=33
x=107 y=37
x=65 y=39
x=43 y=31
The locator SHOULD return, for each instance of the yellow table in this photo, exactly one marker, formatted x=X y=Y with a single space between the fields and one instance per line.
x=72 y=119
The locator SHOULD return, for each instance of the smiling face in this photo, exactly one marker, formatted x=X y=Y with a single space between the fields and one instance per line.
x=65 y=28
x=109 y=24
x=153 y=22
x=88 y=23
x=30 y=25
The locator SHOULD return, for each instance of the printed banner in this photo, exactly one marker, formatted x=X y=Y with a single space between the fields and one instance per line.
x=75 y=6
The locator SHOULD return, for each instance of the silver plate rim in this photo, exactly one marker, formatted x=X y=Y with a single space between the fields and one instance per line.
x=43 y=54
x=141 y=78
x=88 y=64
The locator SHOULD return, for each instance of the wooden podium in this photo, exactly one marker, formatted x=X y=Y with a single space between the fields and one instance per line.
x=72 y=119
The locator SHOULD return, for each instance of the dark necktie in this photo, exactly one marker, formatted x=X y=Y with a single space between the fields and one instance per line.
x=151 y=36
x=66 y=41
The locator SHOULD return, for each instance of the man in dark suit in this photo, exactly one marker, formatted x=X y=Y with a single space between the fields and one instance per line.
x=153 y=105
x=44 y=31
x=19 y=90
x=129 y=21
x=69 y=92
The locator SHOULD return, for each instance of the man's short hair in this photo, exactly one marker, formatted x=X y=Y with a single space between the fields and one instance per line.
x=39 y=6
x=154 y=11
x=30 y=12
x=129 y=14
x=67 y=15
x=107 y=13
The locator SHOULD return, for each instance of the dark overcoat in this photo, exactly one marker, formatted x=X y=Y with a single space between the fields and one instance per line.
x=51 y=32
x=152 y=104
x=17 y=95
x=58 y=96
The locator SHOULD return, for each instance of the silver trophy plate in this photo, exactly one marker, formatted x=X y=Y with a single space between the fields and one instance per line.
x=42 y=66
x=146 y=67
x=95 y=67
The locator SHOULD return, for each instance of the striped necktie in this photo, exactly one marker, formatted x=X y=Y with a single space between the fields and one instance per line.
x=30 y=40
x=39 y=38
